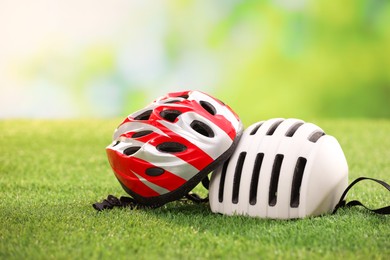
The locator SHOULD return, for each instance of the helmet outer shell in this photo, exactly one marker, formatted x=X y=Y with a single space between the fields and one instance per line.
x=163 y=151
x=281 y=169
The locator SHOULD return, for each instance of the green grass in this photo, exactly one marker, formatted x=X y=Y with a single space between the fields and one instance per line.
x=52 y=171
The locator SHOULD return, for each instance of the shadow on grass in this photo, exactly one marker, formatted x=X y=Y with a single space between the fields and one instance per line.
x=199 y=215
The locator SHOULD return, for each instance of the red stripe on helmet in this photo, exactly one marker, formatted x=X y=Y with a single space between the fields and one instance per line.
x=122 y=165
x=135 y=185
x=177 y=94
x=225 y=125
x=167 y=180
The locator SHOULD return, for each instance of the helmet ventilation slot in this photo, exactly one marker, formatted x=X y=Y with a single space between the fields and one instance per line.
x=293 y=129
x=183 y=96
x=297 y=182
x=273 y=186
x=131 y=150
x=237 y=177
x=144 y=116
x=208 y=107
x=254 y=130
x=154 y=171
x=255 y=179
x=222 y=181
x=272 y=129
x=315 y=136
x=202 y=128
x=141 y=133
x=170 y=115
x=171 y=147
x=172 y=101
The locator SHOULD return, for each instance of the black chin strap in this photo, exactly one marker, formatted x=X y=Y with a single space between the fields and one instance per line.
x=127 y=202
x=123 y=202
x=196 y=198
x=342 y=202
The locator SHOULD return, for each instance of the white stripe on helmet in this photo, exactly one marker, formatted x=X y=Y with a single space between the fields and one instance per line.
x=123 y=144
x=135 y=127
x=167 y=161
x=219 y=144
x=220 y=109
x=156 y=188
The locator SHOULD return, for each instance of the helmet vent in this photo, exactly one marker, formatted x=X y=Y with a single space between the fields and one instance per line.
x=141 y=133
x=254 y=130
x=171 y=147
x=172 y=101
x=154 y=171
x=116 y=143
x=208 y=107
x=237 y=177
x=170 y=115
x=144 y=116
x=255 y=179
x=222 y=181
x=272 y=129
x=131 y=150
x=202 y=128
x=297 y=181
x=293 y=129
x=273 y=186
x=315 y=136
x=184 y=96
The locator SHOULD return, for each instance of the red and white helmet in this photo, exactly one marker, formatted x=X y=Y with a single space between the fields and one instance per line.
x=281 y=169
x=163 y=151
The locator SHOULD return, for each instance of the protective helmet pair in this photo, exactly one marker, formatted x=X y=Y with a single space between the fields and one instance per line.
x=280 y=168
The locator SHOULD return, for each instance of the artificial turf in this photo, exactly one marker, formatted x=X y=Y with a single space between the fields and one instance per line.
x=51 y=171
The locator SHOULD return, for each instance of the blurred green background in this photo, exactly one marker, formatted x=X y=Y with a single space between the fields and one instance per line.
x=297 y=58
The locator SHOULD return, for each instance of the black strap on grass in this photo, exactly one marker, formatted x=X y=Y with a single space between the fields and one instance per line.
x=196 y=198
x=127 y=202
x=112 y=202
x=342 y=202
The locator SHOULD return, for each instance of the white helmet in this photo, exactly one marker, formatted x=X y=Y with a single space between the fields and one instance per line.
x=281 y=169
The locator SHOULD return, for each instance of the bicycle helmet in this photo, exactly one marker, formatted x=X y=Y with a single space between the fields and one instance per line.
x=281 y=169
x=163 y=151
